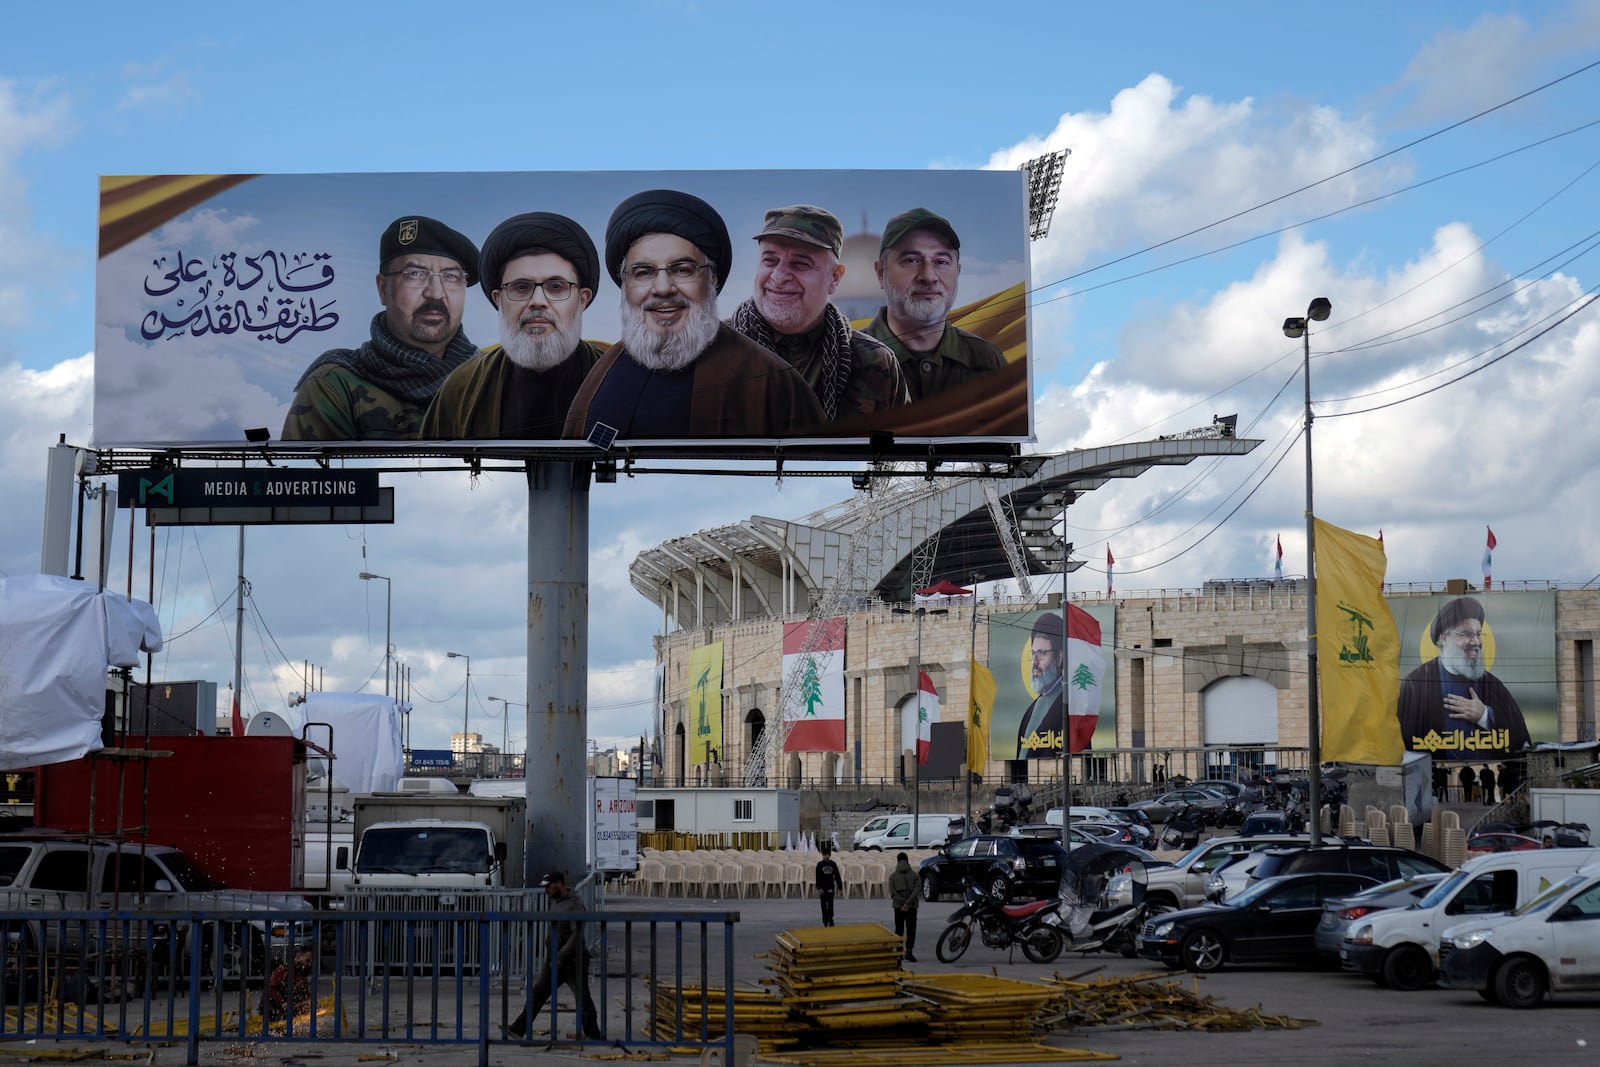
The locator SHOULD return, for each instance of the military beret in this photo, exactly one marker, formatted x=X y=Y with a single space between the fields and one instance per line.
x=1454 y=614
x=918 y=218
x=545 y=230
x=668 y=211
x=1050 y=625
x=421 y=236
x=804 y=222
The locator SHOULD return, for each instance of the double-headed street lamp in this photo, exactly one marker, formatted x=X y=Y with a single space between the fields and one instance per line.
x=388 y=644
x=466 y=702
x=1318 y=311
x=506 y=706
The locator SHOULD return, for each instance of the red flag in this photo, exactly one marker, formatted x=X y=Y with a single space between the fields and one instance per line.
x=1277 y=568
x=1111 y=561
x=1488 y=553
x=1380 y=537
x=238 y=720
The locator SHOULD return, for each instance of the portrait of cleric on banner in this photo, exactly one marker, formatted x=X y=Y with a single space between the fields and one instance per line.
x=604 y=306
x=1053 y=682
x=1451 y=704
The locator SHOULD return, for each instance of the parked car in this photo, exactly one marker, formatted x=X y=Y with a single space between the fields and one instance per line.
x=1548 y=945
x=1378 y=862
x=1273 y=921
x=1233 y=875
x=1270 y=822
x=1007 y=867
x=1340 y=912
x=1483 y=844
x=1109 y=833
x=872 y=828
x=1207 y=803
x=1183 y=883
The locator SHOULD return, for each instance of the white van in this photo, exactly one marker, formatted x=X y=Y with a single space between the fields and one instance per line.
x=874 y=827
x=933 y=831
x=1548 y=945
x=1400 y=947
x=1080 y=812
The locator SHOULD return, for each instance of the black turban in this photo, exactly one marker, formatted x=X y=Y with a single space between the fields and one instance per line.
x=1051 y=625
x=668 y=211
x=1454 y=614
x=539 y=229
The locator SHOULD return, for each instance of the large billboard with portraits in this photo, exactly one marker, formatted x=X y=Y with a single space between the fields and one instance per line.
x=651 y=310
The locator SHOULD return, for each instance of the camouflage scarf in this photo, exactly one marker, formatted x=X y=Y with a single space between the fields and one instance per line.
x=835 y=354
x=408 y=373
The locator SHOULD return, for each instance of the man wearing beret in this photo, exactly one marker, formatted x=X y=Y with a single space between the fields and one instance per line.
x=798 y=268
x=1454 y=696
x=678 y=372
x=381 y=390
x=919 y=263
x=1039 y=732
x=540 y=270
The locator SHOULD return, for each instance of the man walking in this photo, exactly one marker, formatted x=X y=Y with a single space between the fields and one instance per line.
x=571 y=964
x=828 y=881
x=903 y=898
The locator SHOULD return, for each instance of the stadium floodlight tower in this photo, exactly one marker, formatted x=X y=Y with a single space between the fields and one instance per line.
x=1044 y=188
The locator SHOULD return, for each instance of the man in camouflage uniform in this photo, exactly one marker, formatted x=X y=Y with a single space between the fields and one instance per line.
x=919 y=263
x=381 y=390
x=797 y=270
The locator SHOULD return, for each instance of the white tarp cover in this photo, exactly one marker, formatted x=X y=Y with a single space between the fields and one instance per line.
x=366 y=738
x=57 y=637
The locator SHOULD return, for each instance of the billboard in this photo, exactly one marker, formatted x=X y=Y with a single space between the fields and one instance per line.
x=705 y=311
x=1029 y=689
x=1477 y=673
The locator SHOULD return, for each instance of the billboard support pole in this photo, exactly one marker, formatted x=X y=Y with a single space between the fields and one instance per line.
x=558 y=664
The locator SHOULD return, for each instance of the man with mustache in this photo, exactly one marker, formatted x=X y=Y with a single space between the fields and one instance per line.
x=919 y=263
x=381 y=390
x=1455 y=696
x=678 y=372
x=1039 y=732
x=541 y=271
x=798 y=268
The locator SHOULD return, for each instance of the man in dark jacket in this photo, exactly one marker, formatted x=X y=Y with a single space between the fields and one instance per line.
x=571 y=964
x=903 y=898
x=1453 y=698
x=828 y=881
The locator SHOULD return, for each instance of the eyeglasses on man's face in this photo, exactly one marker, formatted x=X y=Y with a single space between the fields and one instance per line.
x=681 y=272
x=1466 y=635
x=417 y=278
x=521 y=291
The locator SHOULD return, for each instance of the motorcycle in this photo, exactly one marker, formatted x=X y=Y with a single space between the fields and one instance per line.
x=1002 y=926
x=1087 y=924
x=1183 y=829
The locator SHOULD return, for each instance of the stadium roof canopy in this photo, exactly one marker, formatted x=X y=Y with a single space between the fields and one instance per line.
x=900 y=534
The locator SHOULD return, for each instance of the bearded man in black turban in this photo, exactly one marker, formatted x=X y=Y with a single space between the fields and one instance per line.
x=540 y=270
x=678 y=372
x=1455 y=697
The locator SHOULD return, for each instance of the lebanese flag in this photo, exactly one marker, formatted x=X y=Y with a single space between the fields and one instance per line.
x=927 y=711
x=238 y=717
x=1111 y=562
x=1277 y=570
x=1488 y=554
x=1086 y=665
x=814 y=685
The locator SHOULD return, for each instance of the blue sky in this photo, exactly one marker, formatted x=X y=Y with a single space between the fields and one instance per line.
x=1178 y=116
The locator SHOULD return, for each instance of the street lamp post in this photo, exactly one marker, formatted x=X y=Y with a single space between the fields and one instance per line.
x=1318 y=311
x=507 y=705
x=388 y=644
x=466 y=702
x=916 y=687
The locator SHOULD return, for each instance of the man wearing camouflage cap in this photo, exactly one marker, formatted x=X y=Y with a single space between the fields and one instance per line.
x=797 y=270
x=381 y=390
x=678 y=372
x=919 y=263
x=540 y=270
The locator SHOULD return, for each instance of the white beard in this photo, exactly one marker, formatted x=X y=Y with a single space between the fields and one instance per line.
x=669 y=352
x=540 y=352
x=1462 y=666
x=919 y=311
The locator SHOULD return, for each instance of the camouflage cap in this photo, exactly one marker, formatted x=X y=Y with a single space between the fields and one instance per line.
x=918 y=218
x=804 y=222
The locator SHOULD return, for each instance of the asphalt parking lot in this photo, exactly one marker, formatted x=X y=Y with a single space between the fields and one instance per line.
x=1351 y=1019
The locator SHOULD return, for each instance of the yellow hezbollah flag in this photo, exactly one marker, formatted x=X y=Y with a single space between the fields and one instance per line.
x=705 y=704
x=980 y=706
x=1358 y=650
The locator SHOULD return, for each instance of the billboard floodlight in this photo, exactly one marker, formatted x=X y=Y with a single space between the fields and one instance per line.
x=1044 y=188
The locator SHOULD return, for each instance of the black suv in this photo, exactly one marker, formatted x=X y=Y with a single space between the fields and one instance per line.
x=1382 y=862
x=1006 y=866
